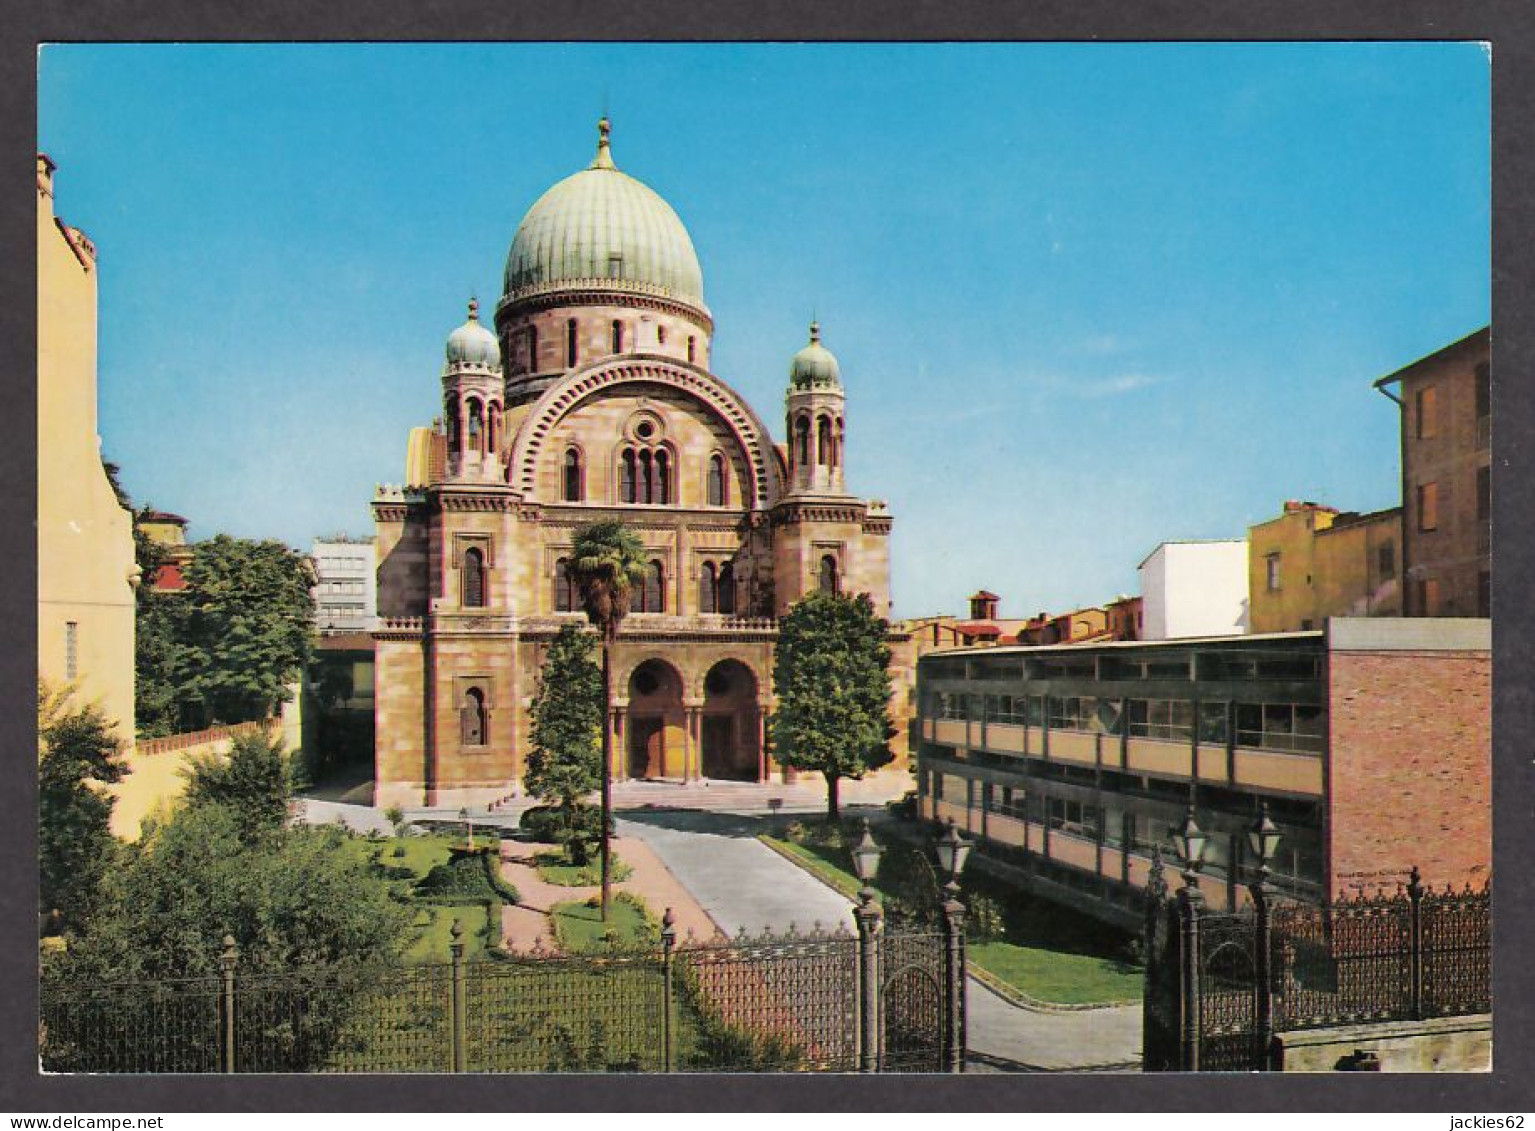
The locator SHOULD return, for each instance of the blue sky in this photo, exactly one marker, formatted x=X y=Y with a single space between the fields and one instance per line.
x=1086 y=297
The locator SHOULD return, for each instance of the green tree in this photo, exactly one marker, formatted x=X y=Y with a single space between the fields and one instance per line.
x=831 y=673
x=248 y=632
x=78 y=754
x=607 y=563
x=294 y=902
x=252 y=779
x=565 y=755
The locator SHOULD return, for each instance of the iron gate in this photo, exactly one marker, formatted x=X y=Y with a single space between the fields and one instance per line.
x=913 y=1012
x=1228 y=994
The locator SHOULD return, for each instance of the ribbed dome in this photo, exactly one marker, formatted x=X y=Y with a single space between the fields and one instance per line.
x=603 y=227
x=473 y=344
x=815 y=364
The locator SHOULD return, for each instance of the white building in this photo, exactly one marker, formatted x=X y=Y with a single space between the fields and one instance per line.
x=1195 y=589
x=345 y=595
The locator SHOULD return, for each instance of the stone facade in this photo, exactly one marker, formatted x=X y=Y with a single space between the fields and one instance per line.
x=593 y=400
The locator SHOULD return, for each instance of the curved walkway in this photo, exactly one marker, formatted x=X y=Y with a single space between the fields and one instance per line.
x=740 y=881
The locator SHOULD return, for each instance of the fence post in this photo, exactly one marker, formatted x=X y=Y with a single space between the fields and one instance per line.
x=1152 y=1055
x=1263 y=943
x=954 y=982
x=1415 y=896
x=227 y=959
x=867 y=915
x=460 y=1041
x=1189 y=900
x=668 y=1036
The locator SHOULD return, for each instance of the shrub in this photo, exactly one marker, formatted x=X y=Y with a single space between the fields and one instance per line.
x=984 y=921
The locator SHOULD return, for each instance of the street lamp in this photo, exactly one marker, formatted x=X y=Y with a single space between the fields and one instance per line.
x=1191 y=844
x=866 y=854
x=952 y=851
x=867 y=916
x=1263 y=840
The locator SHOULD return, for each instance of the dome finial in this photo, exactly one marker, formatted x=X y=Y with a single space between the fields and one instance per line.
x=604 y=158
x=474 y=309
x=815 y=331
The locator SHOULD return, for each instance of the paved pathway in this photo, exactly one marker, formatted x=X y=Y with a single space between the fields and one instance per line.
x=741 y=881
x=526 y=923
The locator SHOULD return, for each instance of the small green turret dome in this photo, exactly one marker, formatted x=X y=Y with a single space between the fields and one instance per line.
x=603 y=228
x=815 y=364
x=473 y=344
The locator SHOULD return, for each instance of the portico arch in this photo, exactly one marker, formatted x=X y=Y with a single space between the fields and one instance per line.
x=654 y=731
x=730 y=732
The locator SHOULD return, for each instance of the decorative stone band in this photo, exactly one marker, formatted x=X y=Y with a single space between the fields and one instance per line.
x=600 y=292
x=642 y=625
x=789 y=514
x=562 y=398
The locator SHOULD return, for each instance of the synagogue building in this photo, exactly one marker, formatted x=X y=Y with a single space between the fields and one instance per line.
x=590 y=396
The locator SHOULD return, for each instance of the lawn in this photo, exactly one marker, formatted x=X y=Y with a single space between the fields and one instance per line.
x=553 y=868
x=579 y=927
x=433 y=918
x=1047 y=952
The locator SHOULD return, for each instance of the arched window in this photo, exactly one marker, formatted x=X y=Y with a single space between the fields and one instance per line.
x=829 y=580
x=716 y=480
x=646 y=476
x=706 y=588
x=802 y=441
x=823 y=442
x=452 y=413
x=618 y=337
x=690 y=348
x=572 y=485
x=474 y=719
x=727 y=587
x=836 y=447
x=660 y=335
x=564 y=591
x=663 y=491
x=570 y=343
x=532 y=349
x=626 y=477
x=474 y=579
x=493 y=429
x=476 y=426
x=653 y=596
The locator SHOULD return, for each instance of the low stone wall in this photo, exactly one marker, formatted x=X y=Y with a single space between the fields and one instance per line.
x=1445 y=1044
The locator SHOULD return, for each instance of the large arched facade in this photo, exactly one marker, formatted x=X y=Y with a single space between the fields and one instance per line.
x=593 y=398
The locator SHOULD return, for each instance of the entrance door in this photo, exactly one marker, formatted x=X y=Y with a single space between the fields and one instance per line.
x=647 y=745
x=719 y=753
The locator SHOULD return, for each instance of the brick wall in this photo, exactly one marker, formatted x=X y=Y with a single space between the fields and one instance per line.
x=1411 y=767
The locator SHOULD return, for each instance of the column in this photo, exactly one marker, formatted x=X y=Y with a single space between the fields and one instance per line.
x=762 y=759
x=619 y=763
x=692 y=710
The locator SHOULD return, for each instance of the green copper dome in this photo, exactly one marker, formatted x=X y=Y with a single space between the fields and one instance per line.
x=815 y=364
x=601 y=227
x=473 y=344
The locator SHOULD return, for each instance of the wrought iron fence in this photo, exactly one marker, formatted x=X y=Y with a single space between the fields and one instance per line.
x=1219 y=986
x=773 y=1002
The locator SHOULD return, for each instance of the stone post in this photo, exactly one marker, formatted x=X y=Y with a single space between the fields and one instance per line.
x=954 y=980
x=227 y=959
x=668 y=1036
x=869 y=918
x=460 y=1035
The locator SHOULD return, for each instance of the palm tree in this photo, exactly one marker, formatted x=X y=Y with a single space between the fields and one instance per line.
x=607 y=563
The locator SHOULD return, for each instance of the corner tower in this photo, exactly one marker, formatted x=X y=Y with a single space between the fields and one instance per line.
x=814 y=409
x=472 y=394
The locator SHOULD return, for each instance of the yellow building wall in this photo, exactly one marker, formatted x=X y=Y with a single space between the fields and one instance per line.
x=1293 y=537
x=1328 y=568
x=85 y=558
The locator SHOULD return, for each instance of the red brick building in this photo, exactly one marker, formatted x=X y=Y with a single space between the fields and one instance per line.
x=1446 y=409
x=1370 y=742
